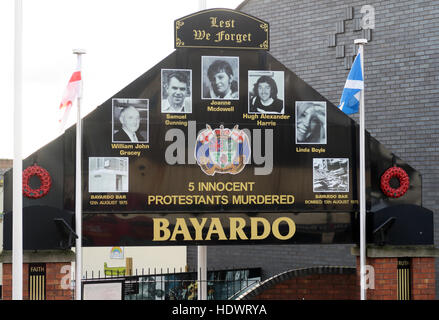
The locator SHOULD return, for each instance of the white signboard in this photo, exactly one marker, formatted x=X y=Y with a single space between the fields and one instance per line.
x=103 y=291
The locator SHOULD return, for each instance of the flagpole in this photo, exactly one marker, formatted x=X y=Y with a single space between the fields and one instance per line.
x=17 y=183
x=78 y=184
x=202 y=272
x=361 y=43
x=202 y=250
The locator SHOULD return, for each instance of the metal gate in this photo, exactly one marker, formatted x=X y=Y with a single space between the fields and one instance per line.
x=404 y=279
x=221 y=284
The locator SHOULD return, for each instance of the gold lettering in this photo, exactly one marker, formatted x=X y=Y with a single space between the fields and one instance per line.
x=254 y=228
x=319 y=150
x=236 y=227
x=260 y=229
x=234 y=37
x=250 y=116
x=228 y=186
x=121 y=146
x=219 y=36
x=213 y=22
x=181 y=228
x=291 y=227
x=151 y=198
x=161 y=225
x=216 y=227
x=221 y=23
x=198 y=227
x=201 y=35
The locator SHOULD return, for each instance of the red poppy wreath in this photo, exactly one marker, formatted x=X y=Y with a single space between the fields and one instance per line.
x=43 y=175
x=404 y=182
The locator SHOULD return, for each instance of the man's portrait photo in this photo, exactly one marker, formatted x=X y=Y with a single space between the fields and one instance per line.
x=220 y=78
x=130 y=120
x=176 y=91
x=266 y=92
x=311 y=122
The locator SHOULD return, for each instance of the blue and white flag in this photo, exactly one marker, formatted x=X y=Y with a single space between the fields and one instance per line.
x=350 y=98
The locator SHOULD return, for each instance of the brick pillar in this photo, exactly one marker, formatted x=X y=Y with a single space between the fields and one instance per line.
x=385 y=278
x=383 y=262
x=423 y=279
x=7 y=281
x=57 y=273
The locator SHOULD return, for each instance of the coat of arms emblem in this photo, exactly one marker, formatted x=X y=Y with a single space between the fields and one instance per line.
x=222 y=150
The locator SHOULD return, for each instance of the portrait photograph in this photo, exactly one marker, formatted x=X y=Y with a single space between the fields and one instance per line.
x=331 y=175
x=266 y=92
x=108 y=174
x=311 y=122
x=220 y=78
x=130 y=120
x=176 y=90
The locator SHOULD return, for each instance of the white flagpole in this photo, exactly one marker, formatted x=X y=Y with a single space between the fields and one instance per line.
x=202 y=250
x=361 y=43
x=202 y=273
x=17 y=202
x=78 y=184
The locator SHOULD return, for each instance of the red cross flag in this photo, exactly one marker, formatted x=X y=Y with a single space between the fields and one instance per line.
x=70 y=93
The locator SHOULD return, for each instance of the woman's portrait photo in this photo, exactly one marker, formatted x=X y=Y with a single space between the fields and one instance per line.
x=130 y=123
x=220 y=78
x=266 y=92
x=310 y=122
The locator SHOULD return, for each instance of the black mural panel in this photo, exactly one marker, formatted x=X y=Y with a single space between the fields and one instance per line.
x=279 y=173
x=218 y=145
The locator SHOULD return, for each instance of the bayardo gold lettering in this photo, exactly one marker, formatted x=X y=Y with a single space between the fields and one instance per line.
x=260 y=229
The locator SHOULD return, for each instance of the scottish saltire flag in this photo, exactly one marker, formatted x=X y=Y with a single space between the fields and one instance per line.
x=350 y=98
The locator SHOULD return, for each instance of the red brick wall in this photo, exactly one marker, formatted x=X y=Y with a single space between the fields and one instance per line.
x=329 y=286
x=53 y=282
x=7 y=281
x=423 y=279
x=386 y=278
x=314 y=287
x=422 y=273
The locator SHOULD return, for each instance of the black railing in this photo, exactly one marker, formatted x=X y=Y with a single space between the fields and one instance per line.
x=149 y=285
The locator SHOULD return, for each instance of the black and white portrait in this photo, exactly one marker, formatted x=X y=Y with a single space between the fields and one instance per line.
x=220 y=78
x=311 y=122
x=108 y=174
x=331 y=175
x=266 y=92
x=176 y=91
x=130 y=122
